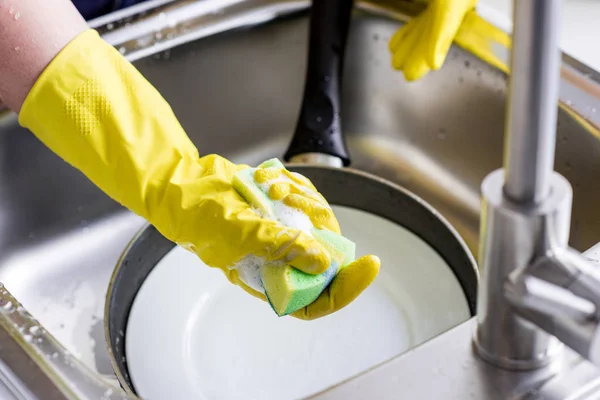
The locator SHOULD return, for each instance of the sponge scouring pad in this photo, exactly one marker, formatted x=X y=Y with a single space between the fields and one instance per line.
x=288 y=289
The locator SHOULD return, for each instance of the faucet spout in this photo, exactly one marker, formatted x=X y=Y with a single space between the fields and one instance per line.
x=560 y=293
x=536 y=293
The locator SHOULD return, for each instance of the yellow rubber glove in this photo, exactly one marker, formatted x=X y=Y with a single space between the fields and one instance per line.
x=423 y=43
x=484 y=40
x=96 y=111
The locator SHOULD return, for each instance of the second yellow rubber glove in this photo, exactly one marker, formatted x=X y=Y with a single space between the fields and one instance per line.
x=96 y=111
x=422 y=44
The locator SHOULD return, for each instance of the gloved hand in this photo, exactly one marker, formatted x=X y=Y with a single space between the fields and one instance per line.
x=423 y=43
x=96 y=111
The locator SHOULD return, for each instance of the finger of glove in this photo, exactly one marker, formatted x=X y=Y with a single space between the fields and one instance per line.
x=415 y=69
x=282 y=182
x=307 y=188
x=264 y=175
x=322 y=217
x=279 y=190
x=347 y=285
x=405 y=51
x=445 y=20
x=300 y=180
x=295 y=248
x=398 y=37
x=416 y=65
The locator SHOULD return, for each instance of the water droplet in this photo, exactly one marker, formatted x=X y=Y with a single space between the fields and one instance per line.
x=122 y=50
x=319 y=119
x=17 y=15
x=27 y=337
x=467 y=63
x=11 y=11
x=569 y=102
x=158 y=35
x=54 y=356
x=110 y=26
x=17 y=48
x=34 y=330
x=8 y=306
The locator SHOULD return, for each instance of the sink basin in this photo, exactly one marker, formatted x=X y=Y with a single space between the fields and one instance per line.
x=237 y=93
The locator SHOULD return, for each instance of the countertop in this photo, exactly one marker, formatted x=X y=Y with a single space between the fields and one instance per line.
x=580 y=26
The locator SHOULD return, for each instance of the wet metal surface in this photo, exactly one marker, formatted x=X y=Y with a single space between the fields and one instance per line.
x=238 y=94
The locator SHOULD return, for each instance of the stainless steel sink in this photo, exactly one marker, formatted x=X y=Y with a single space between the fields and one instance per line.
x=237 y=93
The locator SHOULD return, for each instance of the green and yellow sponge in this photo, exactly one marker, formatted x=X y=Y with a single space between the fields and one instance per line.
x=288 y=289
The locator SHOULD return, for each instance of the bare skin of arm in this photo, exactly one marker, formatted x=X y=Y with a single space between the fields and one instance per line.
x=32 y=33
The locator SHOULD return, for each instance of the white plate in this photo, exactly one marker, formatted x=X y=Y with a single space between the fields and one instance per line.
x=193 y=335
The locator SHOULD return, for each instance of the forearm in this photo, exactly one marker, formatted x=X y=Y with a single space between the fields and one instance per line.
x=32 y=33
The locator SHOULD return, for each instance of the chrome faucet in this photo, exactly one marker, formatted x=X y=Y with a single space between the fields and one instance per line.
x=534 y=288
x=536 y=334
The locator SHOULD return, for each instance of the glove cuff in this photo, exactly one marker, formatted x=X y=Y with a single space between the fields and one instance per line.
x=97 y=112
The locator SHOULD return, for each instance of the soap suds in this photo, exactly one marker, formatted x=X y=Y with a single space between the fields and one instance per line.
x=289 y=216
x=292 y=217
x=249 y=271
x=249 y=267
